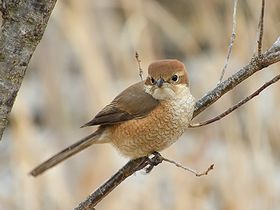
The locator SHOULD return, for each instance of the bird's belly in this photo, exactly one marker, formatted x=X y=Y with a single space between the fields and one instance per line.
x=162 y=127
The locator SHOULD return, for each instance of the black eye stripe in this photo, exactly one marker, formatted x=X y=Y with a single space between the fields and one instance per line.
x=152 y=80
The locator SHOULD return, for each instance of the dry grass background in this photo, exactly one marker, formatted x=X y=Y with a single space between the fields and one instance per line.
x=86 y=57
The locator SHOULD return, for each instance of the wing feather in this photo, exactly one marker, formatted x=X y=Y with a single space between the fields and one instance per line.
x=132 y=103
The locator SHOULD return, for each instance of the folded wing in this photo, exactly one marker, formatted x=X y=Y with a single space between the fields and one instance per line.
x=132 y=103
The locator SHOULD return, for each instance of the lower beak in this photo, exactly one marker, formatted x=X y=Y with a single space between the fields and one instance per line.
x=160 y=82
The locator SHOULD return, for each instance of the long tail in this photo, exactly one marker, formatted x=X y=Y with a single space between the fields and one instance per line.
x=66 y=153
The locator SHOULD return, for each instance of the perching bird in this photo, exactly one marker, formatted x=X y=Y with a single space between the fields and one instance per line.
x=146 y=117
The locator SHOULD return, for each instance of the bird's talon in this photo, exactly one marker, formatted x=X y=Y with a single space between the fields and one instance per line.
x=154 y=161
x=148 y=169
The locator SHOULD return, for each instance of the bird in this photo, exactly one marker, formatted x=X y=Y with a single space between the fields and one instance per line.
x=147 y=117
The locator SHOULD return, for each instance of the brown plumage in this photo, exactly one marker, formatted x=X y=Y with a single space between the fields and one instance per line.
x=165 y=68
x=122 y=108
x=146 y=117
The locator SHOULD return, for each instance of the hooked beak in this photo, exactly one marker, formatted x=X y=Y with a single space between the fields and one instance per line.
x=160 y=82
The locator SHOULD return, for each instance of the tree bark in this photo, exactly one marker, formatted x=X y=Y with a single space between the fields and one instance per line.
x=24 y=22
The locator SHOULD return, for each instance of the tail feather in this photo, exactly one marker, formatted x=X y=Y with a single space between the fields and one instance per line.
x=66 y=153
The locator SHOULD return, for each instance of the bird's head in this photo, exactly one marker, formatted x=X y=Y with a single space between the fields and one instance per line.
x=167 y=79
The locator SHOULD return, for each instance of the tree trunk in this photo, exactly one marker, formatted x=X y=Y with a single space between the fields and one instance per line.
x=24 y=22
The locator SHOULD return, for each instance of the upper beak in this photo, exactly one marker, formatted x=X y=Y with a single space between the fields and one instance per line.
x=160 y=82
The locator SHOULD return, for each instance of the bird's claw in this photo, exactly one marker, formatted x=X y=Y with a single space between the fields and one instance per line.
x=153 y=161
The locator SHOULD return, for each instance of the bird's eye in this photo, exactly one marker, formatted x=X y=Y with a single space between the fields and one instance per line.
x=174 y=78
x=152 y=80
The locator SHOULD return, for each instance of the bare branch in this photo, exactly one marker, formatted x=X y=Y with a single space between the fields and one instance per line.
x=139 y=65
x=232 y=39
x=126 y=171
x=24 y=22
x=239 y=104
x=256 y=64
x=260 y=27
x=211 y=167
x=130 y=168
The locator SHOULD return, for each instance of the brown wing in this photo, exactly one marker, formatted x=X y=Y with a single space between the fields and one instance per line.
x=132 y=103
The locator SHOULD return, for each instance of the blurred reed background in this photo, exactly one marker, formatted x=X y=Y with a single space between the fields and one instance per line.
x=86 y=57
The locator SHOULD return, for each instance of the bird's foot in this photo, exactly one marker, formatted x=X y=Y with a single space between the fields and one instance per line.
x=153 y=161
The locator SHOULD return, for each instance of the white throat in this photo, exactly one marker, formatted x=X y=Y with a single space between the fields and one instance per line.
x=168 y=93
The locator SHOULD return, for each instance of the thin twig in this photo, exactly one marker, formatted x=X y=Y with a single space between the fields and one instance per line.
x=158 y=158
x=139 y=65
x=232 y=39
x=260 y=27
x=211 y=167
x=239 y=104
